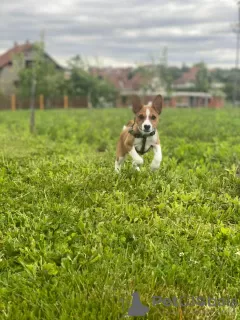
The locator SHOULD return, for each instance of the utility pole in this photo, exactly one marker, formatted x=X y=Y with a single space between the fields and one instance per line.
x=235 y=89
x=34 y=82
x=32 y=107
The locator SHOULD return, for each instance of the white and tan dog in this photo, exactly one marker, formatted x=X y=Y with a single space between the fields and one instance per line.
x=140 y=135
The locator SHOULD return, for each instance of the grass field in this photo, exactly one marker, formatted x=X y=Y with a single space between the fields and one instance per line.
x=76 y=239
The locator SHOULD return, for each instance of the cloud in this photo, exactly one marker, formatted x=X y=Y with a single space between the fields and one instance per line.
x=125 y=32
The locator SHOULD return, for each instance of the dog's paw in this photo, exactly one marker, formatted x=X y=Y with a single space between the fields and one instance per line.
x=155 y=165
x=139 y=161
x=135 y=166
x=117 y=167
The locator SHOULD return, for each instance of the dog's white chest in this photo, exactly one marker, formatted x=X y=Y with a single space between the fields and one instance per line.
x=138 y=142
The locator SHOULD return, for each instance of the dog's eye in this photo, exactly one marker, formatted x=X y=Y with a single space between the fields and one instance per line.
x=153 y=117
x=141 y=116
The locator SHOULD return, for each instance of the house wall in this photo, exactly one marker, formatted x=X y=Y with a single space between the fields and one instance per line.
x=217 y=102
x=123 y=101
x=29 y=55
x=7 y=77
x=9 y=74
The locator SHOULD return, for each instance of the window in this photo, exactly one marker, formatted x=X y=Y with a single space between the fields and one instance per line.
x=124 y=100
x=28 y=64
x=16 y=83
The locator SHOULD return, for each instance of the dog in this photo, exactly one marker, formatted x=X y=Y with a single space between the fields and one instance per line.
x=140 y=135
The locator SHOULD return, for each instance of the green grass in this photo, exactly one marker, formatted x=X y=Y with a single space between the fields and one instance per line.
x=76 y=238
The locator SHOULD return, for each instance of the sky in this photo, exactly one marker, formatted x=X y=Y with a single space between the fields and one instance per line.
x=126 y=32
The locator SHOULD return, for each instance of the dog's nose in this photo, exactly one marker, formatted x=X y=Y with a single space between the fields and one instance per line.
x=147 y=127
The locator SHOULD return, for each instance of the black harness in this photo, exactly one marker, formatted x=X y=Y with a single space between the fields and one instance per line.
x=144 y=138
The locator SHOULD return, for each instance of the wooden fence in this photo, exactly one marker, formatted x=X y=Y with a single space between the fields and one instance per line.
x=16 y=103
x=192 y=101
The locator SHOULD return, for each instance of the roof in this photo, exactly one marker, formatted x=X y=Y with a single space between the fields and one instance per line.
x=121 y=78
x=8 y=56
x=189 y=76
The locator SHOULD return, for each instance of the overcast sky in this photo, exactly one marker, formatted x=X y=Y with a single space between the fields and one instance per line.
x=125 y=32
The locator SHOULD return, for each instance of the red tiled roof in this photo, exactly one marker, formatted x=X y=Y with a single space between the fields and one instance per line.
x=8 y=56
x=189 y=76
x=120 y=78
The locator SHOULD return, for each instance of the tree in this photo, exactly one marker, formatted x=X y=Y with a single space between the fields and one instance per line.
x=158 y=76
x=41 y=77
x=175 y=73
x=49 y=80
x=202 y=82
x=81 y=82
x=230 y=84
x=164 y=72
x=184 y=68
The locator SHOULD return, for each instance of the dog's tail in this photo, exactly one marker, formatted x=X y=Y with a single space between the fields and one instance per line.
x=129 y=124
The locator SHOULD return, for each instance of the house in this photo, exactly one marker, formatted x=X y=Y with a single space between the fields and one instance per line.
x=187 y=80
x=128 y=82
x=9 y=72
x=186 y=96
x=190 y=99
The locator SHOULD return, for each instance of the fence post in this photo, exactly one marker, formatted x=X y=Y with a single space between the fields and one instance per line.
x=41 y=102
x=13 y=102
x=65 y=102
x=89 y=103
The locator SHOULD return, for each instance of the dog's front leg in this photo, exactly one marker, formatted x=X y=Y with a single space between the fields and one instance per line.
x=129 y=145
x=118 y=163
x=157 y=157
x=137 y=160
x=135 y=166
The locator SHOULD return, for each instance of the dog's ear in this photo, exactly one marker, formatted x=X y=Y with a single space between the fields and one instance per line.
x=136 y=104
x=158 y=103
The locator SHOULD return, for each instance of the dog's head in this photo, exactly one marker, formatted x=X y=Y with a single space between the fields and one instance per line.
x=147 y=116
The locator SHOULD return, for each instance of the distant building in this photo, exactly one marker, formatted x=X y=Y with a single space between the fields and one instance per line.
x=194 y=99
x=187 y=80
x=185 y=94
x=9 y=74
x=129 y=82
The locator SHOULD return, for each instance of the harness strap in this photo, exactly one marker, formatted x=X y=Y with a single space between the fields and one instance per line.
x=143 y=145
x=144 y=137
